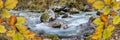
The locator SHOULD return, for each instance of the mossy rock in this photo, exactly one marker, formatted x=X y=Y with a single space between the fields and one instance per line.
x=74 y=11
x=44 y=17
x=53 y=36
x=61 y=12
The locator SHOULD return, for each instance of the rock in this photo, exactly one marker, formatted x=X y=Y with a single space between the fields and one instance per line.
x=98 y=13
x=74 y=11
x=61 y=12
x=55 y=24
x=60 y=25
x=52 y=14
x=66 y=9
x=44 y=17
x=48 y=16
x=65 y=16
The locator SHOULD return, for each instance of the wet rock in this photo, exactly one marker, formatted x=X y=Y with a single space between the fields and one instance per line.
x=48 y=16
x=55 y=24
x=61 y=12
x=98 y=13
x=74 y=11
x=65 y=16
x=57 y=10
x=44 y=17
x=66 y=9
x=60 y=25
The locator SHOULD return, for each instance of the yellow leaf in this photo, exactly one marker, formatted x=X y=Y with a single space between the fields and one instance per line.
x=98 y=4
x=10 y=4
x=107 y=34
x=99 y=28
x=98 y=21
x=20 y=20
x=107 y=1
x=28 y=34
x=106 y=10
x=90 y=1
x=116 y=5
x=22 y=28
x=5 y=13
x=116 y=19
x=10 y=33
x=2 y=29
x=18 y=36
x=110 y=28
x=96 y=35
x=113 y=1
x=1 y=3
x=12 y=20
x=37 y=38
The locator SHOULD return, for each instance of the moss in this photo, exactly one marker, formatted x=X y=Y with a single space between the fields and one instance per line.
x=44 y=17
x=53 y=36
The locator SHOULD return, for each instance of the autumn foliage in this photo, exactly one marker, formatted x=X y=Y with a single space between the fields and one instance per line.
x=13 y=26
x=109 y=17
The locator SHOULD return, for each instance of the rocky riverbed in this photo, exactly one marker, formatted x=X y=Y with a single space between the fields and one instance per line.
x=77 y=26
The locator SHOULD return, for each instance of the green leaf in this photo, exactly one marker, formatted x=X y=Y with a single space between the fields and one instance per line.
x=18 y=36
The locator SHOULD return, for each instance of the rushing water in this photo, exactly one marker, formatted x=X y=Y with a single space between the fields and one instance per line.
x=74 y=28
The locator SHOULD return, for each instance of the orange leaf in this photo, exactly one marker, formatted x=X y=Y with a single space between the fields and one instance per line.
x=1 y=20
x=37 y=38
x=28 y=34
x=12 y=20
x=103 y=17
x=99 y=28
x=113 y=13
x=96 y=35
x=90 y=1
x=14 y=27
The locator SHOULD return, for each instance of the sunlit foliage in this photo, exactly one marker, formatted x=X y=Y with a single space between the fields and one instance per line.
x=13 y=26
x=108 y=18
